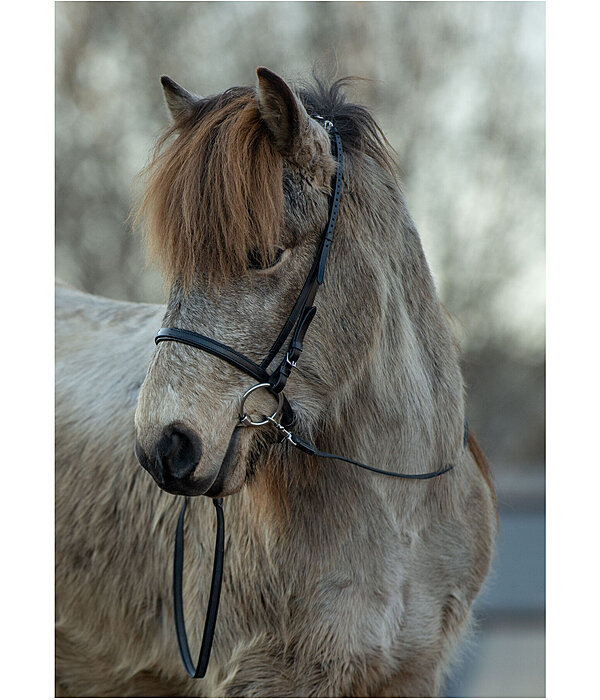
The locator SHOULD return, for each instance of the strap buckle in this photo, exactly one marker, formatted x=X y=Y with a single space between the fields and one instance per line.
x=287 y=435
x=291 y=363
x=327 y=123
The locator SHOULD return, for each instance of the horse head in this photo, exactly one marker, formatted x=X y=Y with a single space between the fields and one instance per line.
x=234 y=209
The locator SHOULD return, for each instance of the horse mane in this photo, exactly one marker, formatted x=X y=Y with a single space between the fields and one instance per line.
x=360 y=133
x=484 y=467
x=213 y=194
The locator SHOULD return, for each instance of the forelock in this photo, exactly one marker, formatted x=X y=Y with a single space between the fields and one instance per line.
x=213 y=190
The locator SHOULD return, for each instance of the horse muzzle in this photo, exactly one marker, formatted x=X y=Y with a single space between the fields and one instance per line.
x=174 y=464
x=173 y=460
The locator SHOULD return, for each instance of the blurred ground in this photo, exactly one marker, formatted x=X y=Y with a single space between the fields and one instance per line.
x=509 y=663
x=506 y=655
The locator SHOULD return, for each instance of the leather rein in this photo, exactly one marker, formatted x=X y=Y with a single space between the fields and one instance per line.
x=299 y=320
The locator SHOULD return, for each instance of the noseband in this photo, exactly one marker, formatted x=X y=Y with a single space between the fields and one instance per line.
x=299 y=320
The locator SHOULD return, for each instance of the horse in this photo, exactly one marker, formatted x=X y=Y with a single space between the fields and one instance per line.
x=337 y=582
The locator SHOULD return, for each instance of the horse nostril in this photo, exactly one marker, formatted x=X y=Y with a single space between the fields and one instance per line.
x=178 y=452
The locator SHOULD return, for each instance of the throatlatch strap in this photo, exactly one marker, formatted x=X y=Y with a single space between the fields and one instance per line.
x=210 y=622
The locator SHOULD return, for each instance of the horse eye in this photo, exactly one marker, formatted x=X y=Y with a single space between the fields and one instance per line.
x=255 y=261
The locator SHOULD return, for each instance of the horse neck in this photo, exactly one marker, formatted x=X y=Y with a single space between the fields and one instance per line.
x=403 y=410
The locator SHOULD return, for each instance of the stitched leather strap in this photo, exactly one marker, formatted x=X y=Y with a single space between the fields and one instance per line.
x=334 y=207
x=280 y=376
x=214 y=347
x=316 y=274
x=302 y=302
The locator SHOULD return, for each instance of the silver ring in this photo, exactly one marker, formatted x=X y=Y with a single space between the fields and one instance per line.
x=248 y=421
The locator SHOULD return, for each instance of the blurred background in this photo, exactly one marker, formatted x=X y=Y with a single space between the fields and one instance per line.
x=459 y=89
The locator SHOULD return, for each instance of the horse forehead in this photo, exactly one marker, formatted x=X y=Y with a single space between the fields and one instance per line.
x=241 y=314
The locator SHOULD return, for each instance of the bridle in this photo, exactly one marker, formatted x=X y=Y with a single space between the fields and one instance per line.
x=282 y=418
x=299 y=319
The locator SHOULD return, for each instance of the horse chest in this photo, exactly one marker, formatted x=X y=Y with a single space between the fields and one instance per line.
x=360 y=611
x=333 y=624
x=350 y=591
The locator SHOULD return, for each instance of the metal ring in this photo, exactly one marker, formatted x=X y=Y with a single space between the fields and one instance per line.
x=248 y=421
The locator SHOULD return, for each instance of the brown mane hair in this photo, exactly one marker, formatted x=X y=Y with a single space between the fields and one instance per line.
x=213 y=192
x=484 y=467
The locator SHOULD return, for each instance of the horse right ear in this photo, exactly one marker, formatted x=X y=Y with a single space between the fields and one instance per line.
x=178 y=99
x=282 y=112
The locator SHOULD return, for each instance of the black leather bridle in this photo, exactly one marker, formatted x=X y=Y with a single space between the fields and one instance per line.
x=299 y=320
x=300 y=316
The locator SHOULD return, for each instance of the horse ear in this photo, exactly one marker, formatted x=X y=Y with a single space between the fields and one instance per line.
x=178 y=99
x=282 y=111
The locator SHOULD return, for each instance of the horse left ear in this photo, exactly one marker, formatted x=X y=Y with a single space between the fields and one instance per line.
x=282 y=111
x=178 y=99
